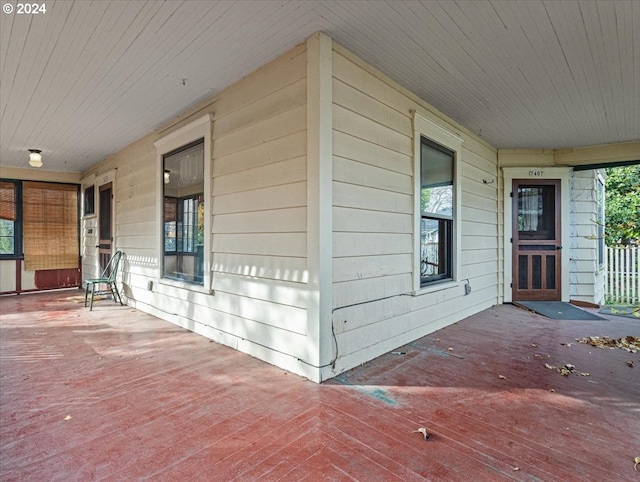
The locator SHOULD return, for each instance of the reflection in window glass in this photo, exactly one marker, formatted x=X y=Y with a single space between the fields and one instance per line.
x=8 y=218
x=536 y=212
x=437 y=215
x=183 y=180
x=600 y=220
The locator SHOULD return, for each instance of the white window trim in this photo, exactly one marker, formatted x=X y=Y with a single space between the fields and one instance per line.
x=200 y=128
x=424 y=127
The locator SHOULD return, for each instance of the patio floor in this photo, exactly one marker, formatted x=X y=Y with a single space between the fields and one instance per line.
x=118 y=395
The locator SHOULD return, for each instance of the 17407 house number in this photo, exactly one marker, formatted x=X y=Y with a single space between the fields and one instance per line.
x=536 y=173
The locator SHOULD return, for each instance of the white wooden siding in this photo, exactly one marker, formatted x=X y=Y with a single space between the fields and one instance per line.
x=374 y=309
x=259 y=218
x=585 y=276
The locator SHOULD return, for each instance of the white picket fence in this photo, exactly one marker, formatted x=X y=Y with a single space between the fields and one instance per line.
x=623 y=276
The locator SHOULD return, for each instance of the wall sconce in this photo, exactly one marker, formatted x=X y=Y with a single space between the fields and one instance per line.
x=35 y=158
x=167 y=179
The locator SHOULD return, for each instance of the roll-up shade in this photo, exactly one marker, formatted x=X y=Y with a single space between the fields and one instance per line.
x=7 y=201
x=50 y=226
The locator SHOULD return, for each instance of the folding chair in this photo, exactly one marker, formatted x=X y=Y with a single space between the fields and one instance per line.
x=108 y=278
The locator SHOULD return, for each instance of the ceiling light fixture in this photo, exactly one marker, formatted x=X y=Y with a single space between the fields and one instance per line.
x=167 y=179
x=35 y=158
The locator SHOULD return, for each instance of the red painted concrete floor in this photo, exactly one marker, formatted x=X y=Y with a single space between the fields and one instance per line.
x=119 y=395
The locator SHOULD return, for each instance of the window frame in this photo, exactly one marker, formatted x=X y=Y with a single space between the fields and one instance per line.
x=200 y=128
x=425 y=128
x=17 y=226
x=600 y=221
x=89 y=201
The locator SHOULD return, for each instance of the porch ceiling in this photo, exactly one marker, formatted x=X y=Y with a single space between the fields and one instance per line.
x=85 y=79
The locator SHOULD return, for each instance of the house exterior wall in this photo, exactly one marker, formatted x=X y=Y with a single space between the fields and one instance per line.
x=586 y=275
x=375 y=304
x=583 y=278
x=258 y=162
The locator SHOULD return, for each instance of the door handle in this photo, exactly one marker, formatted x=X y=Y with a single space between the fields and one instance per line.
x=558 y=248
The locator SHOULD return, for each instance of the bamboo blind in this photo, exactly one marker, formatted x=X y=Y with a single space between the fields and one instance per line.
x=7 y=201
x=170 y=209
x=50 y=226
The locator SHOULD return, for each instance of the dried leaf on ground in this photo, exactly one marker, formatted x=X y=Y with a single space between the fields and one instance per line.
x=565 y=370
x=637 y=461
x=502 y=377
x=628 y=343
x=67 y=418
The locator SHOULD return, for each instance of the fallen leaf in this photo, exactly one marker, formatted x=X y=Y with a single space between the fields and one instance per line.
x=550 y=367
x=515 y=469
x=552 y=390
x=537 y=356
x=628 y=343
x=630 y=363
x=450 y=348
x=67 y=418
x=534 y=345
x=584 y=374
x=565 y=344
x=635 y=465
x=502 y=377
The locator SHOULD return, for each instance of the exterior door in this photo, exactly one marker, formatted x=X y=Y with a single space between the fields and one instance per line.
x=105 y=236
x=536 y=240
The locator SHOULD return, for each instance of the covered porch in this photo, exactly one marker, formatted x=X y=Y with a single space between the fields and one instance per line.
x=116 y=394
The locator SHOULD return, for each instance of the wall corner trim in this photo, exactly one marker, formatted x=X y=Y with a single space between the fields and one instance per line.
x=319 y=200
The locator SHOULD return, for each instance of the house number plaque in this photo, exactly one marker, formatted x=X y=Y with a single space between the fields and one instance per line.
x=536 y=173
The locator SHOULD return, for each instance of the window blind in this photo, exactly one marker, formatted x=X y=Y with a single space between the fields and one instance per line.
x=50 y=226
x=7 y=201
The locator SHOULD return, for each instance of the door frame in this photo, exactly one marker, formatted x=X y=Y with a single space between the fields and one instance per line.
x=105 y=246
x=101 y=181
x=543 y=293
x=536 y=173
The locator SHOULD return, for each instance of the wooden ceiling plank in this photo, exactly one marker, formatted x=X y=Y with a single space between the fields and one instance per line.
x=370 y=33
x=101 y=75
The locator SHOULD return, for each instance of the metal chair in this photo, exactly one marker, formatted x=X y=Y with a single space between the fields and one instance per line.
x=108 y=278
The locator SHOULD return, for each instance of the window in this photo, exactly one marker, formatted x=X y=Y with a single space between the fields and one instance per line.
x=50 y=224
x=436 y=212
x=40 y=221
x=600 y=220
x=184 y=206
x=9 y=216
x=183 y=181
x=89 y=200
x=437 y=206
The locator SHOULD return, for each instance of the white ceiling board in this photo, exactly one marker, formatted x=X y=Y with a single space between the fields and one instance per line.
x=89 y=77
